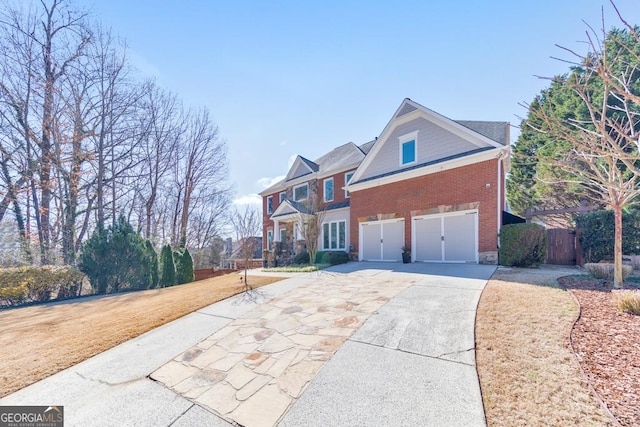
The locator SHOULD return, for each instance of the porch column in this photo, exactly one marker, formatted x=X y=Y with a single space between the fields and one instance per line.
x=276 y=231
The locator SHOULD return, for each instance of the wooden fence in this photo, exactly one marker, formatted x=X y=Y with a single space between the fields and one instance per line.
x=561 y=246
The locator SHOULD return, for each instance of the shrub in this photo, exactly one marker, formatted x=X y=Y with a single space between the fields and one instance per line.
x=152 y=264
x=167 y=268
x=301 y=258
x=184 y=266
x=597 y=233
x=522 y=245
x=115 y=258
x=605 y=270
x=39 y=284
x=627 y=301
x=319 y=256
x=334 y=258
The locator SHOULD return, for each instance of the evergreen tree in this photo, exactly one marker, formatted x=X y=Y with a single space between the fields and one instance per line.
x=115 y=258
x=535 y=179
x=95 y=260
x=184 y=267
x=152 y=263
x=167 y=267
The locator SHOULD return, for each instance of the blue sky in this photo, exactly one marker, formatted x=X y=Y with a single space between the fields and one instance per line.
x=302 y=77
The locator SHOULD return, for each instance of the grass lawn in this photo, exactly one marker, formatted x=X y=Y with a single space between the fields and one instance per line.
x=38 y=341
x=528 y=374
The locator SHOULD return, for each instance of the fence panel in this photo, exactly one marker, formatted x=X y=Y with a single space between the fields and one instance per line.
x=561 y=246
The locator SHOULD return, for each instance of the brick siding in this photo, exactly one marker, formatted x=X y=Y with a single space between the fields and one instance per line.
x=460 y=186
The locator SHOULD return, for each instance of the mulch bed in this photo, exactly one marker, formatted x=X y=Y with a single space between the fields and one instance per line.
x=607 y=344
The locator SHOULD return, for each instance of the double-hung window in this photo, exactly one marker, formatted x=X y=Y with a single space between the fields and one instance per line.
x=301 y=192
x=270 y=205
x=328 y=190
x=347 y=178
x=408 y=148
x=334 y=235
x=269 y=240
x=283 y=195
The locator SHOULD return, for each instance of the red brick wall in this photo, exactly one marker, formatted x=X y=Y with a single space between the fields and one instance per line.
x=338 y=196
x=466 y=184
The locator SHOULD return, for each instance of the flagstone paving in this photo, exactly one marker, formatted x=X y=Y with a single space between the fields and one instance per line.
x=252 y=370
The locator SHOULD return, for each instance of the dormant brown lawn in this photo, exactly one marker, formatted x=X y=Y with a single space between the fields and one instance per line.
x=38 y=341
x=528 y=374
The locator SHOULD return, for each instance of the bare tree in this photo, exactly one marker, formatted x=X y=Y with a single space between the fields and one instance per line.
x=603 y=152
x=310 y=220
x=160 y=129
x=247 y=224
x=83 y=140
x=49 y=41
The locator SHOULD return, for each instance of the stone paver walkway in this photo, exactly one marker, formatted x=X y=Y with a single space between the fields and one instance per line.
x=252 y=370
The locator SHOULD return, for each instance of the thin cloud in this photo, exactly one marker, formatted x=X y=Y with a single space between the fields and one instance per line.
x=267 y=182
x=292 y=159
x=248 y=199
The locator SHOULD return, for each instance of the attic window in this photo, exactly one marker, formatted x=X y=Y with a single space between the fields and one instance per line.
x=408 y=148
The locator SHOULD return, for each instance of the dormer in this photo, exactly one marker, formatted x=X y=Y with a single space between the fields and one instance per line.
x=301 y=167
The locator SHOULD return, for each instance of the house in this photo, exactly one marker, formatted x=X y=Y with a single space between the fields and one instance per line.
x=426 y=182
x=233 y=255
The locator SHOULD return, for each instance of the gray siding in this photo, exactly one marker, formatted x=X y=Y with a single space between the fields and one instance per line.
x=301 y=170
x=433 y=143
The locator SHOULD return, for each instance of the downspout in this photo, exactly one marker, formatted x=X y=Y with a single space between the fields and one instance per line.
x=500 y=184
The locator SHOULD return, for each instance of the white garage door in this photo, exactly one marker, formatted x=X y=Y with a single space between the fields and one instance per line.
x=449 y=237
x=381 y=240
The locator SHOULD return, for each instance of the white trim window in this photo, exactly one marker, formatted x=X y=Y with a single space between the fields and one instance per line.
x=269 y=240
x=301 y=192
x=328 y=190
x=347 y=178
x=283 y=196
x=270 y=205
x=408 y=145
x=334 y=236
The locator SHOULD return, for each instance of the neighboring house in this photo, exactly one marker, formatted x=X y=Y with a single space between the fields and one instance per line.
x=233 y=255
x=427 y=182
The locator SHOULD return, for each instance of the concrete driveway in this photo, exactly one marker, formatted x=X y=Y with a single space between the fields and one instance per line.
x=359 y=344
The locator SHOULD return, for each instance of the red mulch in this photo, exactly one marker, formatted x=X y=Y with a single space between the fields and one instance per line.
x=607 y=343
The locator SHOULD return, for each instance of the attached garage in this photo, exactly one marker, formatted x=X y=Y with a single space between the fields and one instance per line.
x=382 y=240
x=450 y=237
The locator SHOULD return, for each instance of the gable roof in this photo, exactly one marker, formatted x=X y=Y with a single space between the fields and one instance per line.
x=484 y=136
x=301 y=167
x=344 y=157
x=289 y=207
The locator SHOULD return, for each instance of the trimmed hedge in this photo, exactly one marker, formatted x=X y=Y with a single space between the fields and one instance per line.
x=332 y=257
x=522 y=245
x=39 y=284
x=597 y=234
x=301 y=258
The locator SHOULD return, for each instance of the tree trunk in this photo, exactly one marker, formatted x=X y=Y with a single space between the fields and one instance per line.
x=617 y=251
